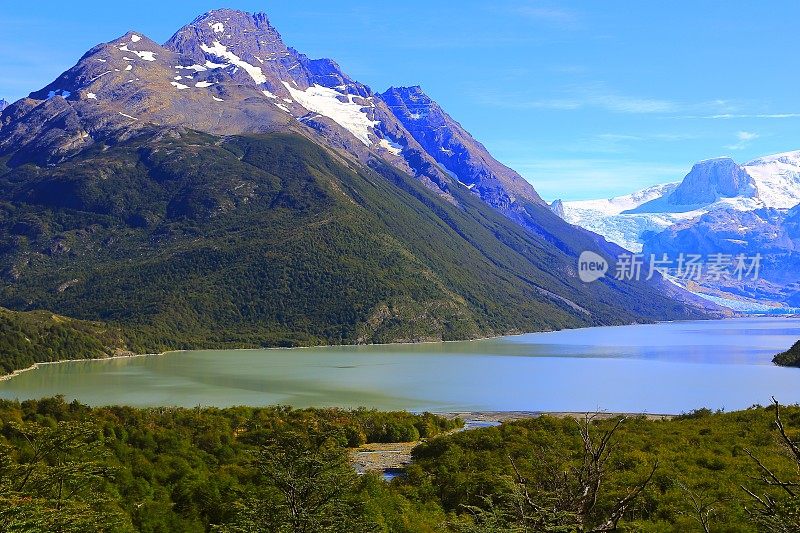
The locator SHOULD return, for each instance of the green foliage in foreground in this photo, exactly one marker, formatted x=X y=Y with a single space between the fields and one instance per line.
x=790 y=357
x=67 y=467
x=38 y=337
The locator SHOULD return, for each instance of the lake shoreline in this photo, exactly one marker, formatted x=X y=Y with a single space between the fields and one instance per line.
x=34 y=366
x=498 y=417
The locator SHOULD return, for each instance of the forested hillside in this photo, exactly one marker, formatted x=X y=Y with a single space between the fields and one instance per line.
x=38 y=337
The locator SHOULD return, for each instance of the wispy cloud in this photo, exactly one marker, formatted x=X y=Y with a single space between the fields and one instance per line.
x=555 y=16
x=598 y=95
x=744 y=138
x=594 y=95
x=728 y=116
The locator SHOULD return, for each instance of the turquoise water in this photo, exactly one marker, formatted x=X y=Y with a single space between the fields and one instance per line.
x=661 y=368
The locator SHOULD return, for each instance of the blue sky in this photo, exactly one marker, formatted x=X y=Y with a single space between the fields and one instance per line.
x=584 y=99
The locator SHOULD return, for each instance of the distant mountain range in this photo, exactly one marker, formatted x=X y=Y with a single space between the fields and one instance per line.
x=719 y=207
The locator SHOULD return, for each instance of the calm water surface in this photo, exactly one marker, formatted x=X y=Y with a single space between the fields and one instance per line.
x=662 y=368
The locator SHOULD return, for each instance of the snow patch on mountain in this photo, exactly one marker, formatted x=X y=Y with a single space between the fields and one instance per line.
x=338 y=107
x=59 y=92
x=221 y=51
x=144 y=55
x=198 y=68
x=391 y=146
x=777 y=179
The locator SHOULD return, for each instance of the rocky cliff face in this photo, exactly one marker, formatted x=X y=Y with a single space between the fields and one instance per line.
x=712 y=180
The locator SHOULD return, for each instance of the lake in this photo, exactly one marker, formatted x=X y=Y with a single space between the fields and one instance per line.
x=661 y=368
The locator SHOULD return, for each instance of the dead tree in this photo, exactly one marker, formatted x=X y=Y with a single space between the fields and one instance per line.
x=776 y=509
x=571 y=498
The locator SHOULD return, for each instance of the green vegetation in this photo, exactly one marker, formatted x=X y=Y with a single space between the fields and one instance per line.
x=790 y=357
x=186 y=240
x=38 y=337
x=68 y=467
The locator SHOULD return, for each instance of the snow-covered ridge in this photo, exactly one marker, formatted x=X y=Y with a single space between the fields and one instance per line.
x=615 y=206
x=777 y=179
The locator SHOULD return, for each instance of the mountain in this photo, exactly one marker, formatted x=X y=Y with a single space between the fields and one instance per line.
x=777 y=178
x=714 y=184
x=719 y=207
x=224 y=189
x=711 y=180
x=3 y=104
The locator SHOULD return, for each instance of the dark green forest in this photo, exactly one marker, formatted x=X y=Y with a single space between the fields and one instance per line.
x=38 y=337
x=790 y=357
x=68 y=467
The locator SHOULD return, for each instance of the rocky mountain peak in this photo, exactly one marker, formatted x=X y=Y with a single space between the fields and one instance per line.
x=3 y=104
x=412 y=103
x=256 y=53
x=712 y=179
x=557 y=206
x=244 y=32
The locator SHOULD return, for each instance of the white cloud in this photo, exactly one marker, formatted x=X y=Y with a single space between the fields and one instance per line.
x=598 y=95
x=744 y=138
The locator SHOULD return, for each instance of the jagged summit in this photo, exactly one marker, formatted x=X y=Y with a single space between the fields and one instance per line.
x=235 y=16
